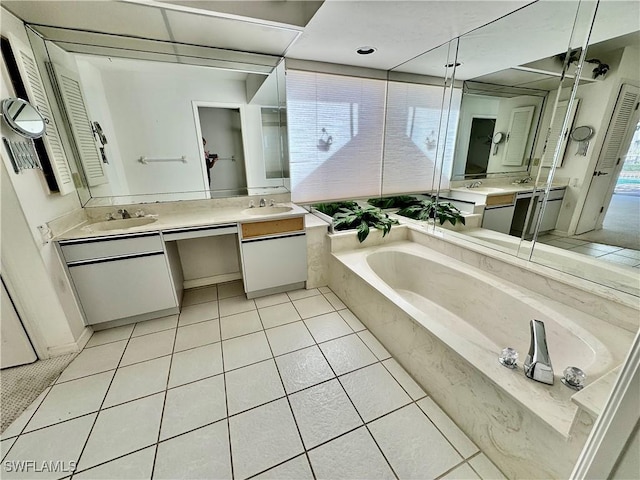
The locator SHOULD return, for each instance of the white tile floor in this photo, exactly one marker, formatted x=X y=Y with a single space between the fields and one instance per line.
x=287 y=386
x=610 y=253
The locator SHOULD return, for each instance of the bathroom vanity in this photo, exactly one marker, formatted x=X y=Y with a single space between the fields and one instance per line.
x=506 y=207
x=134 y=273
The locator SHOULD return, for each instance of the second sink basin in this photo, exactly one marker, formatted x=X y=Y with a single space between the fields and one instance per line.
x=121 y=223
x=256 y=211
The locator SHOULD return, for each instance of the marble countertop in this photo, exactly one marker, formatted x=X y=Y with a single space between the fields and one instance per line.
x=502 y=189
x=183 y=218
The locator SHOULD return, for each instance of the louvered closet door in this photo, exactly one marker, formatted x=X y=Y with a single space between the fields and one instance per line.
x=37 y=96
x=70 y=91
x=616 y=143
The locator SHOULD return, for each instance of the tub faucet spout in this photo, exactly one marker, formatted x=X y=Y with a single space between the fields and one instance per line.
x=537 y=364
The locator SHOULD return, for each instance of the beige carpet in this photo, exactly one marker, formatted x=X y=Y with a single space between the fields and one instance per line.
x=621 y=226
x=19 y=386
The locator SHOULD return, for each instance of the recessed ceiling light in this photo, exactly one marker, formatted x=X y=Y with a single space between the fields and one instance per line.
x=451 y=65
x=366 y=50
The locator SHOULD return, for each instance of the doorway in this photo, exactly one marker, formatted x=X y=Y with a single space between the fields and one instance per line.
x=615 y=153
x=479 y=145
x=224 y=166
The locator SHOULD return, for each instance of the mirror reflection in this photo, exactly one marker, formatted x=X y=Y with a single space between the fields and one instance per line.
x=497 y=129
x=23 y=118
x=155 y=115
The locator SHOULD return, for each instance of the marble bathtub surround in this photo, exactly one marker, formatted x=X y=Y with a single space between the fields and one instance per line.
x=612 y=306
x=514 y=420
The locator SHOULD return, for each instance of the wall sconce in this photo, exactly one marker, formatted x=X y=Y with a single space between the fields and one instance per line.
x=325 y=141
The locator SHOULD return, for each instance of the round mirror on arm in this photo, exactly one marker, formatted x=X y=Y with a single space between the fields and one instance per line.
x=582 y=135
x=23 y=118
x=497 y=139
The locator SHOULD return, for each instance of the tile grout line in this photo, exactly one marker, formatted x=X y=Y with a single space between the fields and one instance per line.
x=226 y=398
x=295 y=421
x=95 y=420
x=164 y=402
x=286 y=395
x=356 y=410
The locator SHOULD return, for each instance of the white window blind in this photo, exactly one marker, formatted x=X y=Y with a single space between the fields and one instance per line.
x=336 y=128
x=414 y=128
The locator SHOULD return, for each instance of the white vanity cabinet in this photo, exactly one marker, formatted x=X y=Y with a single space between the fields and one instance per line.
x=498 y=213
x=274 y=256
x=120 y=277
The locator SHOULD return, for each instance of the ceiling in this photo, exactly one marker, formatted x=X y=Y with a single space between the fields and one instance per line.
x=203 y=31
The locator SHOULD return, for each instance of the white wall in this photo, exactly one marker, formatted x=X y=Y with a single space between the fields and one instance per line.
x=152 y=115
x=98 y=109
x=34 y=269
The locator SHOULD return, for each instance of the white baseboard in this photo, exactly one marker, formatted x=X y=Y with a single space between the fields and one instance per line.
x=72 y=347
x=205 y=281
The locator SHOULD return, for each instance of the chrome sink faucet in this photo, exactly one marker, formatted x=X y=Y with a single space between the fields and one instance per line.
x=537 y=364
x=474 y=184
x=124 y=213
x=263 y=202
x=524 y=180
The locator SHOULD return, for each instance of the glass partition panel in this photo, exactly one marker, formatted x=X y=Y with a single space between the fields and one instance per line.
x=509 y=72
x=421 y=108
x=596 y=234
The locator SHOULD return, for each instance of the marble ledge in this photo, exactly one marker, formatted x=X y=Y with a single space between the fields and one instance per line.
x=593 y=397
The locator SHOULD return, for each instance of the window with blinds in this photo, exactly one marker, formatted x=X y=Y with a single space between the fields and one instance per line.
x=336 y=130
x=418 y=139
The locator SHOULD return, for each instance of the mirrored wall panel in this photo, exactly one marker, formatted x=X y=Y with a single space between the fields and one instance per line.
x=159 y=121
x=597 y=232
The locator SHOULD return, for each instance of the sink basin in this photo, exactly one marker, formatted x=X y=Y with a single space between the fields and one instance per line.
x=485 y=190
x=259 y=211
x=121 y=223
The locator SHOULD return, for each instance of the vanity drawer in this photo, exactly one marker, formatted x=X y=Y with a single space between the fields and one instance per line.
x=90 y=249
x=505 y=199
x=272 y=227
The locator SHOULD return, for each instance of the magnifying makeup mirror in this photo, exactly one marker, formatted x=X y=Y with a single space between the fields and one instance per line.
x=582 y=135
x=23 y=118
x=497 y=139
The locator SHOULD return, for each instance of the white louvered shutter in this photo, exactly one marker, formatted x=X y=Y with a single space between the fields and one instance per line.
x=625 y=107
x=37 y=96
x=70 y=91
x=554 y=135
x=518 y=135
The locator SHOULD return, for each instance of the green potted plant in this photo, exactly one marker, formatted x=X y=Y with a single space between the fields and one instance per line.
x=362 y=219
x=330 y=209
x=400 y=201
x=428 y=209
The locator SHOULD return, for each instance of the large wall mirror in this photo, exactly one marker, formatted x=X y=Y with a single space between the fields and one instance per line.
x=164 y=121
x=516 y=78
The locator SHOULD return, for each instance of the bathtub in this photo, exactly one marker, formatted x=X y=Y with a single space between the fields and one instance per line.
x=447 y=321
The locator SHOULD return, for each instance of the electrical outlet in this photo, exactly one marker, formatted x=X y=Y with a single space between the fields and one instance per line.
x=45 y=234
